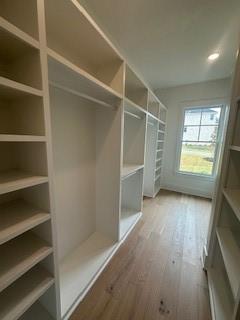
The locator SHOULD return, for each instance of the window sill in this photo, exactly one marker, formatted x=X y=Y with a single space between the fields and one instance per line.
x=197 y=176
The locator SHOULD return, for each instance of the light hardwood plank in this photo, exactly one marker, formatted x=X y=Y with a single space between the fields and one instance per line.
x=156 y=274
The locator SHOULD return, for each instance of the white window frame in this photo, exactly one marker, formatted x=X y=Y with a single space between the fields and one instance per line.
x=201 y=105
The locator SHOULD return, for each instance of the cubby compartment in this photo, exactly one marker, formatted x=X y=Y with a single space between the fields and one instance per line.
x=20 y=61
x=22 y=164
x=23 y=210
x=22 y=14
x=221 y=297
x=228 y=233
x=21 y=116
x=92 y=56
x=87 y=189
x=131 y=202
x=153 y=105
x=134 y=139
x=24 y=292
x=37 y=312
x=161 y=135
x=163 y=113
x=135 y=90
x=233 y=175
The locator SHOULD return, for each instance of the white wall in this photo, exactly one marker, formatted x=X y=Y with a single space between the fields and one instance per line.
x=175 y=99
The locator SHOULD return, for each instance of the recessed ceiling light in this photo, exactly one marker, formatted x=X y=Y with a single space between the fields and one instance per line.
x=214 y=56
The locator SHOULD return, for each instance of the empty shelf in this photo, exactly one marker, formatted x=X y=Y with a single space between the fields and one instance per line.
x=78 y=270
x=21 y=138
x=20 y=255
x=129 y=218
x=231 y=257
x=17 y=298
x=129 y=169
x=157 y=177
x=220 y=299
x=233 y=198
x=36 y=312
x=15 y=180
x=17 y=217
x=12 y=88
x=132 y=107
x=67 y=75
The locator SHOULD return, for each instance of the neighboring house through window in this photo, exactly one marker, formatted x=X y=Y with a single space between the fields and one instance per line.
x=199 y=143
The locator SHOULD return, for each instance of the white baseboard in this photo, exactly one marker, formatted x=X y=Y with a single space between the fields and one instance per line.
x=185 y=190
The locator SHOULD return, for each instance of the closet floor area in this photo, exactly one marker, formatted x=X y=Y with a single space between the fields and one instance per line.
x=157 y=272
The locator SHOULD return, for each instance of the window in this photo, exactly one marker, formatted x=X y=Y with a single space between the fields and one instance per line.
x=199 y=140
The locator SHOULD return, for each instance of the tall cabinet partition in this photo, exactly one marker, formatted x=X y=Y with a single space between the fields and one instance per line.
x=73 y=119
x=28 y=273
x=155 y=135
x=223 y=259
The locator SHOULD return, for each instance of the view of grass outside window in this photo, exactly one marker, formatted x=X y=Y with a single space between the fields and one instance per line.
x=199 y=138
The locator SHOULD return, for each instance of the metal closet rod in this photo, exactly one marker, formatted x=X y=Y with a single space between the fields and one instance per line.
x=132 y=115
x=79 y=94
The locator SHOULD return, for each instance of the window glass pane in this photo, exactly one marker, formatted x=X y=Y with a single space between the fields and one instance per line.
x=192 y=117
x=197 y=158
x=210 y=116
x=190 y=133
x=208 y=133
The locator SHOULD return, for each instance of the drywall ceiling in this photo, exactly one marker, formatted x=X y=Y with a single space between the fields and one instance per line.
x=168 y=41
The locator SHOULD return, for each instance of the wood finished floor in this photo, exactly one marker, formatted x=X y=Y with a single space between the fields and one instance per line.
x=156 y=274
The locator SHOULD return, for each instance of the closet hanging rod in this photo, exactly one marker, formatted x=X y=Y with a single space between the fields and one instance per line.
x=81 y=95
x=133 y=115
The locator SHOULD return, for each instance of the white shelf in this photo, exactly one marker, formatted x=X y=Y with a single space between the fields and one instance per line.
x=17 y=217
x=221 y=305
x=10 y=88
x=234 y=148
x=15 y=180
x=71 y=78
x=161 y=131
x=233 y=198
x=157 y=177
x=130 y=106
x=129 y=169
x=16 y=32
x=16 y=299
x=21 y=138
x=129 y=218
x=231 y=257
x=159 y=120
x=20 y=255
x=79 y=269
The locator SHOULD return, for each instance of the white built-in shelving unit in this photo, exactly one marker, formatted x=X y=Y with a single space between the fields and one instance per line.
x=223 y=263
x=73 y=119
x=27 y=251
x=155 y=136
